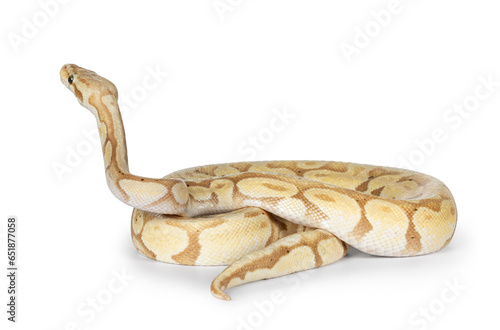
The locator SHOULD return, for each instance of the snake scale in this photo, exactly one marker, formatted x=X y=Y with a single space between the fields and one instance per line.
x=266 y=219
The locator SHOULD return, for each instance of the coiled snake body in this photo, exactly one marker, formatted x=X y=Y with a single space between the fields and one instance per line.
x=266 y=219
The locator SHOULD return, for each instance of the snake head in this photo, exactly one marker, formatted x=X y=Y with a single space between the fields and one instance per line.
x=86 y=84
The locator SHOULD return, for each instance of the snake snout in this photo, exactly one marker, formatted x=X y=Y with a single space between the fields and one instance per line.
x=64 y=74
x=85 y=82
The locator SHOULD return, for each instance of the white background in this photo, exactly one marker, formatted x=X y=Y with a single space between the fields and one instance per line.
x=228 y=74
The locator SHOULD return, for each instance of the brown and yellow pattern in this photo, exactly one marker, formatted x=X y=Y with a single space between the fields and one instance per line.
x=266 y=219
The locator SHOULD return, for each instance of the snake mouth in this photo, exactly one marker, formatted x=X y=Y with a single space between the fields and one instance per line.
x=70 y=76
x=64 y=75
x=84 y=82
x=67 y=72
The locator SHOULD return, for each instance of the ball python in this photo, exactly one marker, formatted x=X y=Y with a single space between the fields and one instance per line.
x=266 y=218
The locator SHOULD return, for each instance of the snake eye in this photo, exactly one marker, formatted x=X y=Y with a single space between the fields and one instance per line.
x=70 y=79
